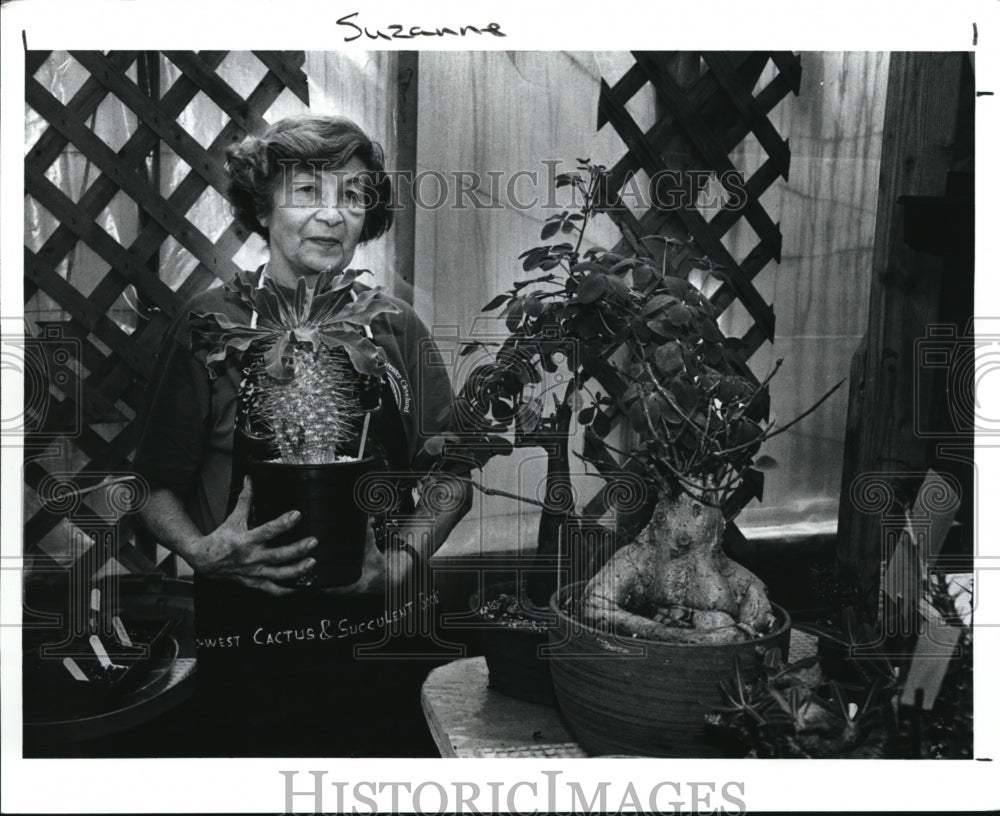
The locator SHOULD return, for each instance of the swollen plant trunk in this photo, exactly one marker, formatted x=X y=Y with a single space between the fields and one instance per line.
x=675 y=583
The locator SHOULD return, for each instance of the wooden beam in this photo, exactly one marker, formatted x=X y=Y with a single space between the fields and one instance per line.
x=920 y=125
x=407 y=81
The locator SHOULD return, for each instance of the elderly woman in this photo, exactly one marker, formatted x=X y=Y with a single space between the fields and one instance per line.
x=278 y=671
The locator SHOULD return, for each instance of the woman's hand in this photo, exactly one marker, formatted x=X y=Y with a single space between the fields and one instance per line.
x=394 y=568
x=235 y=551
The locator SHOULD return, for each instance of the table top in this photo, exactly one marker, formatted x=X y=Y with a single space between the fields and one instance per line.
x=468 y=719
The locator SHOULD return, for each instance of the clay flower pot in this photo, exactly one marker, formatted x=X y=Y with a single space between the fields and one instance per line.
x=631 y=696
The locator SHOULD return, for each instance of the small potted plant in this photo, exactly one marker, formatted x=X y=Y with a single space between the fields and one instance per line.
x=851 y=706
x=310 y=381
x=790 y=711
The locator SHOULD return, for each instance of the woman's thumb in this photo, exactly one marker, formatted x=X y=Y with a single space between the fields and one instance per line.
x=242 y=509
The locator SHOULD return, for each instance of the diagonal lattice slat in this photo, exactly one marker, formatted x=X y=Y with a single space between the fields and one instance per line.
x=101 y=393
x=700 y=121
x=692 y=221
x=720 y=101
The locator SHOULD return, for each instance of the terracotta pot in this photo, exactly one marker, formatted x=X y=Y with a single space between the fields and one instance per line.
x=514 y=653
x=324 y=495
x=630 y=696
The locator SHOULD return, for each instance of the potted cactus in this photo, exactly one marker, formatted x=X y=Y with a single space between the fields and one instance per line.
x=311 y=379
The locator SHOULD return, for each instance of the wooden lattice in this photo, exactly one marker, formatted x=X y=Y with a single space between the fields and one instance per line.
x=85 y=433
x=707 y=107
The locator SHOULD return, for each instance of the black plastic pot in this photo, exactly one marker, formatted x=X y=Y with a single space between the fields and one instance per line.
x=513 y=653
x=325 y=496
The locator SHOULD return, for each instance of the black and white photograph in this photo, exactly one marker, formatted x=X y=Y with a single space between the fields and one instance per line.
x=396 y=384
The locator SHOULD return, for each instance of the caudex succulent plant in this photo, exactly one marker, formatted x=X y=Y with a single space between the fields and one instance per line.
x=309 y=369
x=641 y=348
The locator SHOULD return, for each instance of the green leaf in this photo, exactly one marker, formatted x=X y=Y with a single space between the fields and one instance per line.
x=624 y=265
x=270 y=313
x=713 y=353
x=765 y=463
x=365 y=308
x=436 y=444
x=365 y=356
x=653 y=407
x=500 y=446
x=679 y=315
x=734 y=388
x=668 y=358
x=533 y=307
x=586 y=266
x=586 y=416
x=687 y=395
x=307 y=336
x=515 y=315
x=617 y=287
x=640 y=328
x=469 y=347
x=658 y=303
x=345 y=279
x=502 y=411
x=755 y=480
x=550 y=229
x=679 y=287
x=595 y=451
x=279 y=360
x=642 y=277
x=529 y=415
x=592 y=288
x=747 y=432
x=300 y=301
x=662 y=327
x=496 y=303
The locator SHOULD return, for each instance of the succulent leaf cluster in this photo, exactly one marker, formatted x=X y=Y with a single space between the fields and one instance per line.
x=307 y=358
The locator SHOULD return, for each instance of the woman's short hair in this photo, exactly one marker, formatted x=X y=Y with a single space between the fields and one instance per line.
x=256 y=167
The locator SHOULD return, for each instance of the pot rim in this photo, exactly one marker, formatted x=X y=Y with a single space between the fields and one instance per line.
x=297 y=466
x=476 y=600
x=562 y=619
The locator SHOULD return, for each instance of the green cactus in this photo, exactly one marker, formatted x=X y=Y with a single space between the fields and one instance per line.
x=307 y=360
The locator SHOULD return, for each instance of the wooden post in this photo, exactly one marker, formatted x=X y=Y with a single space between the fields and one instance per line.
x=917 y=152
x=406 y=161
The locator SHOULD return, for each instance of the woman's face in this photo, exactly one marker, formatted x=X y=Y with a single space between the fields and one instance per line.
x=315 y=221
